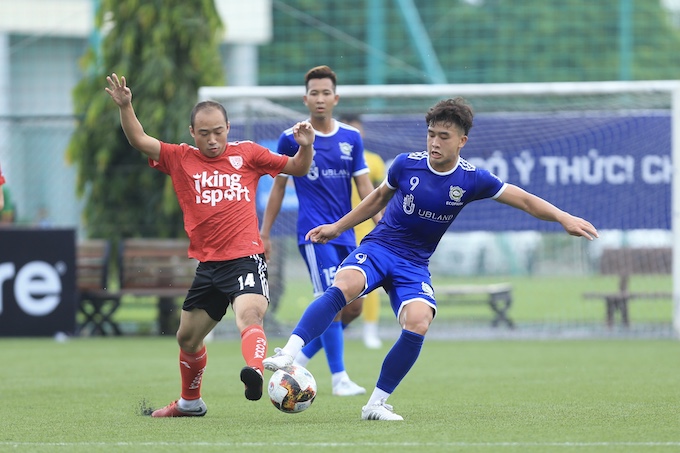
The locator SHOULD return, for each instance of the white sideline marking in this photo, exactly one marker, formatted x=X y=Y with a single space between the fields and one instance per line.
x=344 y=444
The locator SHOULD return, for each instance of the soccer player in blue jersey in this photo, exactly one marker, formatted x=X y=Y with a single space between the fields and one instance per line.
x=324 y=195
x=422 y=195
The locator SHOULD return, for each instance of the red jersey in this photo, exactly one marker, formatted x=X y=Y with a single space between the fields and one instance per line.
x=2 y=178
x=217 y=196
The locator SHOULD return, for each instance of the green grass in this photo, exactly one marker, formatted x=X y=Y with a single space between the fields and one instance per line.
x=536 y=300
x=85 y=395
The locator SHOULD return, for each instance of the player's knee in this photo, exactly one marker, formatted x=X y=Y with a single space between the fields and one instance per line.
x=188 y=342
x=250 y=310
x=351 y=312
x=419 y=326
x=352 y=283
x=416 y=317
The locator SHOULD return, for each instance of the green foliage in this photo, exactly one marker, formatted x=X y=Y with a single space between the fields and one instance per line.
x=489 y=41
x=166 y=49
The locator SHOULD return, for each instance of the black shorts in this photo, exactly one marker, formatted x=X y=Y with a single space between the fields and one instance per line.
x=218 y=283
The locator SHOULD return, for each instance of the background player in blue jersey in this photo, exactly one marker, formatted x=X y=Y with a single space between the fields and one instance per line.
x=324 y=195
x=422 y=195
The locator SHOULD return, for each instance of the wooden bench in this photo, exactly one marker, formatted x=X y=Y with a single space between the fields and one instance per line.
x=625 y=262
x=92 y=273
x=498 y=296
x=156 y=268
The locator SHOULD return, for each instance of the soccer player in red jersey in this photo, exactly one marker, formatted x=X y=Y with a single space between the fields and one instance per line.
x=215 y=183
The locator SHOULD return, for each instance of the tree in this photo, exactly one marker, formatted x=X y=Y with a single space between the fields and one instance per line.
x=475 y=41
x=166 y=49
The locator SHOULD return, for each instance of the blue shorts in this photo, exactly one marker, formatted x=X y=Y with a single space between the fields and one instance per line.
x=323 y=261
x=403 y=280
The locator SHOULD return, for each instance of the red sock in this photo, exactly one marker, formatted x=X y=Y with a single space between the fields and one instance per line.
x=191 y=367
x=254 y=346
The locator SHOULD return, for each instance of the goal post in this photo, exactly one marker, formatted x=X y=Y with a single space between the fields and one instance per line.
x=601 y=150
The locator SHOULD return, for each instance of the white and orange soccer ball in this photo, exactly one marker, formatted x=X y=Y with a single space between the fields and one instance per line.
x=292 y=389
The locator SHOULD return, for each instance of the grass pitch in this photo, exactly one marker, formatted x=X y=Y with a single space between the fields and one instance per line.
x=87 y=395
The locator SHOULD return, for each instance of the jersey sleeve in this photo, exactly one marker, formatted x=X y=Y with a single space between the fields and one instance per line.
x=168 y=158
x=359 y=161
x=395 y=170
x=269 y=162
x=488 y=185
x=287 y=145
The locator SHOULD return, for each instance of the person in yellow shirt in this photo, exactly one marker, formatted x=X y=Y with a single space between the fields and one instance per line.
x=371 y=309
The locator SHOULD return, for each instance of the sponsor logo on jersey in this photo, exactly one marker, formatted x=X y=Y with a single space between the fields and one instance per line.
x=433 y=216
x=313 y=173
x=217 y=187
x=408 y=204
x=335 y=173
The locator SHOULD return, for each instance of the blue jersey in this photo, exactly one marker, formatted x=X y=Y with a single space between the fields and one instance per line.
x=325 y=193
x=426 y=202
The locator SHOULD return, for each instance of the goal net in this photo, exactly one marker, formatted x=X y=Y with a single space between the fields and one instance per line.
x=599 y=150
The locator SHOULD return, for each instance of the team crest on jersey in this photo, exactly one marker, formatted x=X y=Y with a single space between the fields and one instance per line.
x=236 y=161
x=346 y=150
x=456 y=193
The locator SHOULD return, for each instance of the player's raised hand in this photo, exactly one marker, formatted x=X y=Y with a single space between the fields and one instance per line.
x=303 y=132
x=323 y=233
x=118 y=90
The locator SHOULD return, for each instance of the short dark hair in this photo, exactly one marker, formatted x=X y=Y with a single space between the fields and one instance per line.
x=206 y=105
x=321 y=72
x=451 y=111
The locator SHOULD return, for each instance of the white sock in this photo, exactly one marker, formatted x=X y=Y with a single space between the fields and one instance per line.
x=294 y=345
x=336 y=378
x=188 y=405
x=301 y=360
x=377 y=396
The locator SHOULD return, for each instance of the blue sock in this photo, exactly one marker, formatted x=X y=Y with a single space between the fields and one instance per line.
x=334 y=344
x=399 y=360
x=312 y=347
x=320 y=314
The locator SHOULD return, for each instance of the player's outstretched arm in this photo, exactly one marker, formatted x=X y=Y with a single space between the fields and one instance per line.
x=519 y=198
x=364 y=189
x=122 y=96
x=299 y=164
x=369 y=207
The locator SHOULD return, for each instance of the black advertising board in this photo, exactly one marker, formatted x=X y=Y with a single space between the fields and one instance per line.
x=37 y=278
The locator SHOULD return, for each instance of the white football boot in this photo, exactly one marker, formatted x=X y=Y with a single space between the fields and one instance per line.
x=279 y=360
x=379 y=411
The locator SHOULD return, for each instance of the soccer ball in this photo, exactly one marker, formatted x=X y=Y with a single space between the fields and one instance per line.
x=292 y=389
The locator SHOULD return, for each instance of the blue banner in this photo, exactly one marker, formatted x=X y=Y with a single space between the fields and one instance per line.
x=611 y=168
